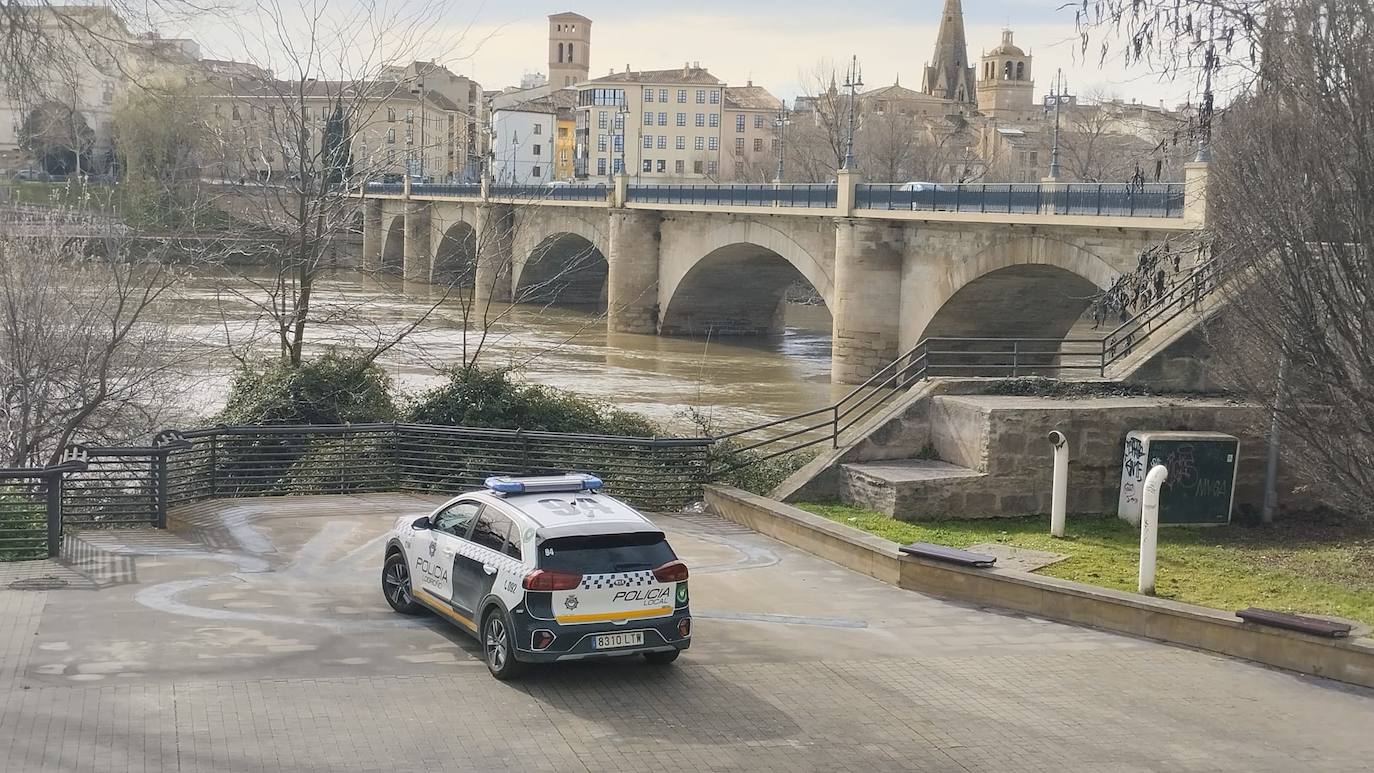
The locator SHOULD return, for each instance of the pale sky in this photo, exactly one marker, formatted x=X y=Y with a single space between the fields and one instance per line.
x=776 y=44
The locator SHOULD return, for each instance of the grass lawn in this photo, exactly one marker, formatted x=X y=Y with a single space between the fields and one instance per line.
x=1312 y=566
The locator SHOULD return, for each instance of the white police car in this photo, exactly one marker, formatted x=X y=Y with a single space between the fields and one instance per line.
x=543 y=569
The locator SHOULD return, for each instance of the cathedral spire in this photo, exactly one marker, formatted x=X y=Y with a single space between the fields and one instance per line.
x=949 y=74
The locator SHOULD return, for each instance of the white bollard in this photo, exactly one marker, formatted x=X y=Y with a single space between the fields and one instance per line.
x=1060 y=490
x=1149 y=528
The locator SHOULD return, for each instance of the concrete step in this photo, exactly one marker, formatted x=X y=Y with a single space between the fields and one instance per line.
x=915 y=489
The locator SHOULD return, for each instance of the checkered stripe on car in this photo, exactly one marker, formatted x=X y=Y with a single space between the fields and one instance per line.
x=616 y=580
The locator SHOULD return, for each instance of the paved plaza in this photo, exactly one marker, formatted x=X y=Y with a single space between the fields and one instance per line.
x=253 y=636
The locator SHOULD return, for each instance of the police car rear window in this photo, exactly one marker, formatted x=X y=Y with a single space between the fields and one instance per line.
x=605 y=553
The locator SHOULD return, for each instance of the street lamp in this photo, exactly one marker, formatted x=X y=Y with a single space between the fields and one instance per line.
x=780 y=123
x=418 y=89
x=853 y=80
x=514 y=155
x=1058 y=96
x=1204 y=143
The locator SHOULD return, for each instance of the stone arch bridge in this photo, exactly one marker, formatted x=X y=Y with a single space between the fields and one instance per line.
x=892 y=266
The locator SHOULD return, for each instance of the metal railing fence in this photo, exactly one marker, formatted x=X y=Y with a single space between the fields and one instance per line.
x=599 y=192
x=790 y=195
x=1113 y=199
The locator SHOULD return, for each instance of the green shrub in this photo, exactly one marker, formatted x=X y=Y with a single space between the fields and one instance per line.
x=331 y=389
x=480 y=397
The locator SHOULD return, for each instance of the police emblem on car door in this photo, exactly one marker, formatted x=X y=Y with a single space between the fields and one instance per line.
x=433 y=571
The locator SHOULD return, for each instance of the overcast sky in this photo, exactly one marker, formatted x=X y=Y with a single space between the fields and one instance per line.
x=776 y=44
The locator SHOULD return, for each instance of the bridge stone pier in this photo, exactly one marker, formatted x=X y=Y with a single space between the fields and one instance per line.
x=893 y=267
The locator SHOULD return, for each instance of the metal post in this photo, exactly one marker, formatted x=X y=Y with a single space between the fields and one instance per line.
x=1271 y=467
x=214 y=469
x=1015 y=356
x=160 y=487
x=53 y=505
x=835 y=426
x=1060 y=488
x=853 y=81
x=1149 y=529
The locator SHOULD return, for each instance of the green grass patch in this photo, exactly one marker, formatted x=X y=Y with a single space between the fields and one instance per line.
x=1317 y=565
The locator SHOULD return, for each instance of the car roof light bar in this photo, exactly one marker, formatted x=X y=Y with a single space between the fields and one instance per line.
x=547 y=484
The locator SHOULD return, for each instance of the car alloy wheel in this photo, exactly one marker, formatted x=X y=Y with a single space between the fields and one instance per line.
x=498 y=647
x=396 y=586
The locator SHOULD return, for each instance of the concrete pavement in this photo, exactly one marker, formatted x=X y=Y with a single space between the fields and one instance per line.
x=254 y=637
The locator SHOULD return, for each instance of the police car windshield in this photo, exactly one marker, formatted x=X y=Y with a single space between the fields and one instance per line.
x=605 y=553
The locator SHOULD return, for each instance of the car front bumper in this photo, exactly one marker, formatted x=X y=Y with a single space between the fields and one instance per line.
x=578 y=642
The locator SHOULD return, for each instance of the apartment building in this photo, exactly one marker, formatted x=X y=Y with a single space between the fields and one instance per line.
x=522 y=143
x=750 y=115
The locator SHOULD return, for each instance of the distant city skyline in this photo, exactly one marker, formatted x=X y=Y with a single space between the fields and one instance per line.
x=773 y=44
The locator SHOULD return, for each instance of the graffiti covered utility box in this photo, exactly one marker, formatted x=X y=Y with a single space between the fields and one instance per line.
x=1201 y=485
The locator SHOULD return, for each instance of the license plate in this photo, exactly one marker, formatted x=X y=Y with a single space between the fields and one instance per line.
x=610 y=641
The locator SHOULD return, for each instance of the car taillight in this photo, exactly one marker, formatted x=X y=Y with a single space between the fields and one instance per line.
x=673 y=571
x=551 y=579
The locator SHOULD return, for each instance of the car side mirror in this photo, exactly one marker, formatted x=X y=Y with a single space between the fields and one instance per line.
x=421 y=523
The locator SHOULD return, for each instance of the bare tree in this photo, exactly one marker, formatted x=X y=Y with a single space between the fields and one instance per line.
x=1292 y=211
x=84 y=353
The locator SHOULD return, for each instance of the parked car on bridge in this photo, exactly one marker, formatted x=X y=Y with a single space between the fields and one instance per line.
x=543 y=569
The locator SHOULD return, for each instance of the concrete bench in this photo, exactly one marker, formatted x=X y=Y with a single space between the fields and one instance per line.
x=948 y=554
x=1313 y=625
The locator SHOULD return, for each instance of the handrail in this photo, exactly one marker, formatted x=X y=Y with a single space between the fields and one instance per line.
x=1020 y=356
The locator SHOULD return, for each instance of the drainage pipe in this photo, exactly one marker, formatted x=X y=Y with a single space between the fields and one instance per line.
x=1149 y=528
x=1060 y=490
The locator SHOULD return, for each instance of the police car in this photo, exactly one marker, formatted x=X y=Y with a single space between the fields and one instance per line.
x=542 y=569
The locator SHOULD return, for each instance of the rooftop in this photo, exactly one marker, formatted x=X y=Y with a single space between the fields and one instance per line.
x=686 y=74
x=750 y=97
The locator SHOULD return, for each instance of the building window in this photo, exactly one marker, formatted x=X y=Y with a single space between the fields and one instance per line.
x=700 y=143
x=648 y=165
x=601 y=166
x=739 y=169
x=619 y=122
x=649 y=119
x=390 y=135
x=713 y=143
x=701 y=96
x=711 y=167
x=536 y=172
x=775 y=144
x=662 y=142
x=618 y=165
x=602 y=119
x=390 y=114
x=739 y=144
x=679 y=166
x=390 y=156
x=217 y=111
x=758 y=144
x=758 y=122
x=681 y=142
x=715 y=120
x=539 y=128
x=715 y=100
x=662 y=165
x=570 y=53
x=601 y=143
x=739 y=123
x=536 y=149
x=648 y=141
x=662 y=95
x=681 y=119
x=701 y=119
x=234 y=111
x=562 y=132
x=662 y=119
x=648 y=94
x=410 y=116
x=410 y=135
x=1035 y=158
x=618 y=143
x=696 y=167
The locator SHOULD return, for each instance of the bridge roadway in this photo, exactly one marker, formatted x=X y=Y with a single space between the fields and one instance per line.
x=253 y=636
x=892 y=266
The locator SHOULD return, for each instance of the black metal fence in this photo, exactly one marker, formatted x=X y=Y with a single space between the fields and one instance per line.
x=453 y=190
x=598 y=192
x=823 y=196
x=129 y=486
x=1115 y=199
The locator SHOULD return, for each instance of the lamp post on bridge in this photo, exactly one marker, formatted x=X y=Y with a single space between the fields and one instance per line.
x=780 y=123
x=1058 y=96
x=853 y=80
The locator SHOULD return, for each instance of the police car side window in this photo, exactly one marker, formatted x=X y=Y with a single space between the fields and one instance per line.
x=455 y=519
x=491 y=530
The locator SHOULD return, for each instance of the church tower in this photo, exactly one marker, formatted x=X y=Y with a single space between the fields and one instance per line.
x=950 y=75
x=1005 y=89
x=570 y=49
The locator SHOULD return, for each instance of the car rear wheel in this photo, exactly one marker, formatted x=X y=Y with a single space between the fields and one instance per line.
x=396 y=586
x=498 y=646
x=661 y=658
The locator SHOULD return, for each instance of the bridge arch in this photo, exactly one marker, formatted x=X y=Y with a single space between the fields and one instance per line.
x=563 y=263
x=736 y=278
x=1028 y=287
x=394 y=246
x=455 y=259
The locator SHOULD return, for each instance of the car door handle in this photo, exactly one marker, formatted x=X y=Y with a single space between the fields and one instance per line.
x=448 y=551
x=488 y=568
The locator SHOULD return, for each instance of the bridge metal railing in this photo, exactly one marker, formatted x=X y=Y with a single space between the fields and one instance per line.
x=1112 y=199
x=954 y=356
x=798 y=195
x=597 y=192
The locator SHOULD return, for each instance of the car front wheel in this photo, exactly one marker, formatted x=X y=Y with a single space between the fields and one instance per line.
x=498 y=646
x=396 y=586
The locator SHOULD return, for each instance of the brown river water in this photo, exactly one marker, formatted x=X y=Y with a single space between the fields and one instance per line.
x=735 y=381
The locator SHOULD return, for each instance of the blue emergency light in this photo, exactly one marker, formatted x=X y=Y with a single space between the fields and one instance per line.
x=505 y=484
